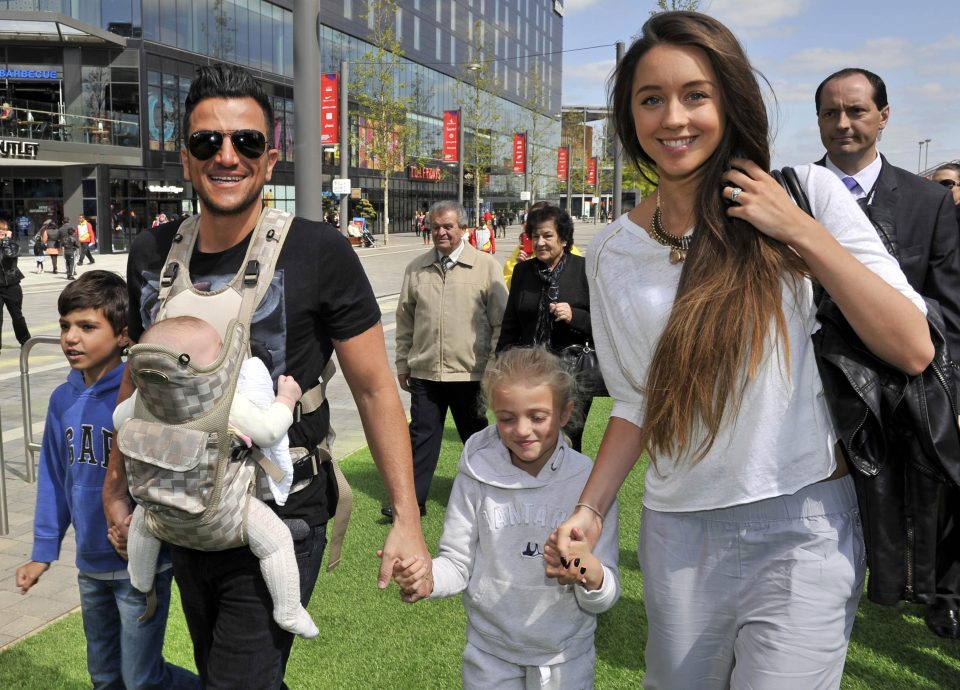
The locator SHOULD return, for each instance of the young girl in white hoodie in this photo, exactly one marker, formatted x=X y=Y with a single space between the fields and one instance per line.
x=517 y=481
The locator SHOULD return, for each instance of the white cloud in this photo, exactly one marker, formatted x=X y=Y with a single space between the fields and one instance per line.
x=575 y=6
x=877 y=55
x=586 y=84
x=739 y=15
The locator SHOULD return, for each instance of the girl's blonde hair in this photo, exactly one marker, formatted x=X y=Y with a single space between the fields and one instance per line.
x=533 y=366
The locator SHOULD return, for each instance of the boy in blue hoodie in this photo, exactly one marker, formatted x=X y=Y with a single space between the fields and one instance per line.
x=122 y=652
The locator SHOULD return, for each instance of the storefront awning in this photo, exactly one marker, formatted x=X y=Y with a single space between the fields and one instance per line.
x=54 y=28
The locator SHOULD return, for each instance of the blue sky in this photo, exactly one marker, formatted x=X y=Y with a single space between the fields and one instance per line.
x=914 y=46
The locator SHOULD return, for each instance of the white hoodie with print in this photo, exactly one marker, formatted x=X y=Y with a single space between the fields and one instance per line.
x=498 y=518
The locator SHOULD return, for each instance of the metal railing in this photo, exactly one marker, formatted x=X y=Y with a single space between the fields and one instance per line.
x=30 y=446
x=29 y=122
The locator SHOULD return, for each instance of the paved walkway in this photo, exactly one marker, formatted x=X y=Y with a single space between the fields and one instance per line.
x=56 y=594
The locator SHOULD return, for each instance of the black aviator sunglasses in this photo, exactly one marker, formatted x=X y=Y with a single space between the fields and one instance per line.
x=205 y=143
x=949 y=184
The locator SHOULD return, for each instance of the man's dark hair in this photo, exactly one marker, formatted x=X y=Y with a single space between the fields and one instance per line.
x=101 y=290
x=879 y=88
x=226 y=81
x=561 y=219
x=955 y=167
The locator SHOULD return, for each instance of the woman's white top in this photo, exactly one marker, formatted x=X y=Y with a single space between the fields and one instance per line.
x=783 y=439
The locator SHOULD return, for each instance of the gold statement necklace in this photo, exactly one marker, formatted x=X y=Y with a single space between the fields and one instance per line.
x=678 y=245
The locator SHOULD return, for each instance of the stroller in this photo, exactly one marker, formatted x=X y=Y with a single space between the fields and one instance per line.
x=367 y=239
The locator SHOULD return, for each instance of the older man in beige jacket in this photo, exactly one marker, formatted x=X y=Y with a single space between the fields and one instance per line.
x=448 y=322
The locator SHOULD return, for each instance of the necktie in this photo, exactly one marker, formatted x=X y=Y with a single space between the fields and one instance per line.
x=445 y=264
x=851 y=184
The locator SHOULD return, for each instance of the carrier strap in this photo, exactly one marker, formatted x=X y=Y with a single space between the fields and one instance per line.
x=250 y=283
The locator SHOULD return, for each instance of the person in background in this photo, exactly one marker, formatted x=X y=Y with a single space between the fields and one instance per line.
x=549 y=301
x=448 y=321
x=86 y=237
x=948 y=175
x=11 y=294
x=524 y=248
x=484 y=238
x=852 y=111
x=69 y=246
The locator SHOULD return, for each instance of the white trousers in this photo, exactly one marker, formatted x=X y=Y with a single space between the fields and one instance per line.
x=483 y=671
x=759 y=596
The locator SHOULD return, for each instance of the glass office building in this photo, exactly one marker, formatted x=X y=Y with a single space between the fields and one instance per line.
x=92 y=94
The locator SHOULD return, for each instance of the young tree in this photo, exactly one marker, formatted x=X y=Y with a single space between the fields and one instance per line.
x=378 y=90
x=542 y=134
x=477 y=118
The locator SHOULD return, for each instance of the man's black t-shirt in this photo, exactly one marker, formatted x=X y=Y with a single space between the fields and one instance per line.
x=319 y=292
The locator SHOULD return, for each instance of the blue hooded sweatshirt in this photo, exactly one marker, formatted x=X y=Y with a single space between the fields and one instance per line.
x=73 y=463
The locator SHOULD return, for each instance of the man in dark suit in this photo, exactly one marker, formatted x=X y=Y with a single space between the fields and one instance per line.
x=852 y=111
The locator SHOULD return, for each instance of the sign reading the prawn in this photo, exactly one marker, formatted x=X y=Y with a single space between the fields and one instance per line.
x=591 y=171
x=563 y=162
x=519 y=153
x=451 y=136
x=329 y=104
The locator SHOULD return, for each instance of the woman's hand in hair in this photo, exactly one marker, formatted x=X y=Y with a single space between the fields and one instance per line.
x=763 y=202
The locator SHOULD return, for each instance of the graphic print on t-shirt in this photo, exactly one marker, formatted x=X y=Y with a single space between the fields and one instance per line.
x=268 y=330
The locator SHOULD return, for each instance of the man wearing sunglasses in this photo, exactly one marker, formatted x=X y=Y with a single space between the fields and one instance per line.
x=852 y=112
x=320 y=301
x=948 y=175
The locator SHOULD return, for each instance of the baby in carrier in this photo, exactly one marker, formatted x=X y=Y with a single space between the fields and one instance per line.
x=256 y=418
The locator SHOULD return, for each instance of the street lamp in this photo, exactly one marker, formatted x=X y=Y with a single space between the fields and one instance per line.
x=920 y=152
x=926 y=154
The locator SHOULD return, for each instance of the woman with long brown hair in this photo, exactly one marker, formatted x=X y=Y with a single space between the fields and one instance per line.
x=702 y=309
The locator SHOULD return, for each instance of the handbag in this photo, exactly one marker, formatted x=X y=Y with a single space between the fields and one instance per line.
x=582 y=362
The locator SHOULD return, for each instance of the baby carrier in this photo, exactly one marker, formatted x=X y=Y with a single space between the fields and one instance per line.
x=184 y=466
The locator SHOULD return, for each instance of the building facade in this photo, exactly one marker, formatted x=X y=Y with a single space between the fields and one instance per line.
x=92 y=99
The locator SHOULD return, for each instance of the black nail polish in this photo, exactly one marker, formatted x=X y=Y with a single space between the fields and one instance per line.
x=583 y=571
x=563 y=562
x=576 y=562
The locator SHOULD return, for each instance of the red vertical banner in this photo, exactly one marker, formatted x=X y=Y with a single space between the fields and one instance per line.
x=591 y=172
x=519 y=153
x=329 y=105
x=563 y=162
x=451 y=136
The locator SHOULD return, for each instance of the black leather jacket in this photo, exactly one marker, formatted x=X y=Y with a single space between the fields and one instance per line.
x=9 y=273
x=901 y=437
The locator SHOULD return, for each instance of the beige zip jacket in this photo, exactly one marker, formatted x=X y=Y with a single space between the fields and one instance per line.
x=448 y=325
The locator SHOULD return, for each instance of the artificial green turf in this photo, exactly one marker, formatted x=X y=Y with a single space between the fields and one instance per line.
x=369 y=639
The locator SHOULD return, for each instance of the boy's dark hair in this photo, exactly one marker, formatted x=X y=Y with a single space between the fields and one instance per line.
x=226 y=81
x=101 y=290
x=879 y=88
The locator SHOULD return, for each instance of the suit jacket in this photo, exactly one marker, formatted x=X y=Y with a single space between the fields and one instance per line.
x=927 y=237
x=520 y=318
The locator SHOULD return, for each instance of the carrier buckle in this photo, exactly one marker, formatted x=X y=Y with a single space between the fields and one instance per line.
x=169 y=275
x=252 y=272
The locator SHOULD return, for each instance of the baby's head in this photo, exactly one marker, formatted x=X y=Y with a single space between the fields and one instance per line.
x=189 y=335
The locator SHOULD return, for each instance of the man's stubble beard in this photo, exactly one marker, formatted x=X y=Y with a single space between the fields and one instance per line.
x=237 y=210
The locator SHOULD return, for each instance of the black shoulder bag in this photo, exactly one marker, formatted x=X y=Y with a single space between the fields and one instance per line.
x=875 y=406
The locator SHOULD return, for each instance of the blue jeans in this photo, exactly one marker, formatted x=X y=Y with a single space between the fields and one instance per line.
x=122 y=652
x=236 y=642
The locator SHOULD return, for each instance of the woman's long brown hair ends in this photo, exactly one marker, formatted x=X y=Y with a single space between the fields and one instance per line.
x=730 y=287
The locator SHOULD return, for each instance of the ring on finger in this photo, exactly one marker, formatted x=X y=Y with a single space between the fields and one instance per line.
x=735 y=193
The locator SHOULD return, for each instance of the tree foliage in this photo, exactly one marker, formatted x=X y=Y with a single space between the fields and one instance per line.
x=676 y=6
x=479 y=120
x=377 y=88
